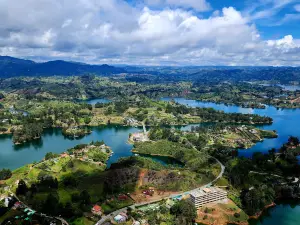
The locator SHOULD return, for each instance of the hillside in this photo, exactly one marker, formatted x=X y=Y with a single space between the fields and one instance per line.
x=12 y=67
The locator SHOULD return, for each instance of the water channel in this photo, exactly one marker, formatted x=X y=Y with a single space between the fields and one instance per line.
x=286 y=123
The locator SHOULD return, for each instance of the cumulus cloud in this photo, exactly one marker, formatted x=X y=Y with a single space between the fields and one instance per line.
x=113 y=31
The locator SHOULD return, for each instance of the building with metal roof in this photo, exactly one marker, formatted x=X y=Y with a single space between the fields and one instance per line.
x=207 y=195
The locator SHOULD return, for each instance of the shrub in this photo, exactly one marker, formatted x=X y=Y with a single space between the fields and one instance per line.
x=237 y=215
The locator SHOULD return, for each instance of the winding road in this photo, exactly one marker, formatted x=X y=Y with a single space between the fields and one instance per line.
x=115 y=213
x=63 y=222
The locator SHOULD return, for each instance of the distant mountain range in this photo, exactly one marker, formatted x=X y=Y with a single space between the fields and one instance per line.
x=12 y=67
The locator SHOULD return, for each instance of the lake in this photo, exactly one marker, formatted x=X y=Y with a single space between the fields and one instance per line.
x=96 y=100
x=290 y=87
x=286 y=122
x=284 y=87
x=281 y=214
x=52 y=140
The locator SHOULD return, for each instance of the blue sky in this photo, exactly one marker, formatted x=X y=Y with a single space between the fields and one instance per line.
x=153 y=32
x=278 y=21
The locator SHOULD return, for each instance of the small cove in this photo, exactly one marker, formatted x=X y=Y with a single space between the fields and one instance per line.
x=286 y=122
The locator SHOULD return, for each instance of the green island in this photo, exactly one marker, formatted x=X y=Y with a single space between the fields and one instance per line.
x=76 y=132
x=71 y=184
x=74 y=117
x=175 y=151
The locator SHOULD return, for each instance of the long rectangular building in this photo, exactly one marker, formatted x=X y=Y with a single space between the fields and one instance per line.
x=207 y=195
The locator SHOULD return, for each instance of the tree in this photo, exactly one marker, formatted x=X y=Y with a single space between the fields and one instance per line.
x=30 y=130
x=293 y=141
x=99 y=105
x=51 y=205
x=87 y=120
x=5 y=174
x=50 y=155
x=48 y=122
x=85 y=197
x=184 y=210
x=70 y=181
x=121 y=106
x=90 y=107
x=22 y=188
x=108 y=111
x=258 y=158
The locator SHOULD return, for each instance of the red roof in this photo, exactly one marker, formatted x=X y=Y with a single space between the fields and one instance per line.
x=97 y=208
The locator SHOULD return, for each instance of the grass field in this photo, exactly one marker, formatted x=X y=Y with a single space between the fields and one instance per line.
x=221 y=213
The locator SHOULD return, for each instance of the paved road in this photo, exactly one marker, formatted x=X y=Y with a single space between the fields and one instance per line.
x=269 y=174
x=63 y=222
x=144 y=129
x=208 y=184
x=115 y=213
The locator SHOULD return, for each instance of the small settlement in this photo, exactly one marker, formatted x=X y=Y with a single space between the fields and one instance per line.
x=91 y=153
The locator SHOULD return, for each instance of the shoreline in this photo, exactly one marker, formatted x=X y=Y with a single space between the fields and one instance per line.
x=259 y=214
x=138 y=126
x=238 y=105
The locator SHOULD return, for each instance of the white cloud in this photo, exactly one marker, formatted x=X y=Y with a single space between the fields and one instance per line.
x=266 y=9
x=297 y=7
x=286 y=42
x=198 y=5
x=66 y=23
x=288 y=18
x=112 y=31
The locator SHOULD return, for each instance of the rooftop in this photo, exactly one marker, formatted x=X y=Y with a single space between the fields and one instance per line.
x=205 y=191
x=97 y=208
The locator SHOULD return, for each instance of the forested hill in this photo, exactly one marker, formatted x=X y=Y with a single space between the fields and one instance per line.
x=12 y=67
x=216 y=74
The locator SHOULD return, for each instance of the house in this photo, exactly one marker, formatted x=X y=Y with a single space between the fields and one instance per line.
x=64 y=155
x=120 y=218
x=138 y=137
x=122 y=197
x=79 y=153
x=97 y=210
x=124 y=215
x=7 y=201
x=17 y=205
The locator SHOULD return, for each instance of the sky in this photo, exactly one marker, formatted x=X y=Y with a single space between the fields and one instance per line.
x=153 y=32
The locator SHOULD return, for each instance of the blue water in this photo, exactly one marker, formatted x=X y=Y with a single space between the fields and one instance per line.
x=282 y=214
x=290 y=87
x=96 y=100
x=284 y=87
x=52 y=140
x=285 y=121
